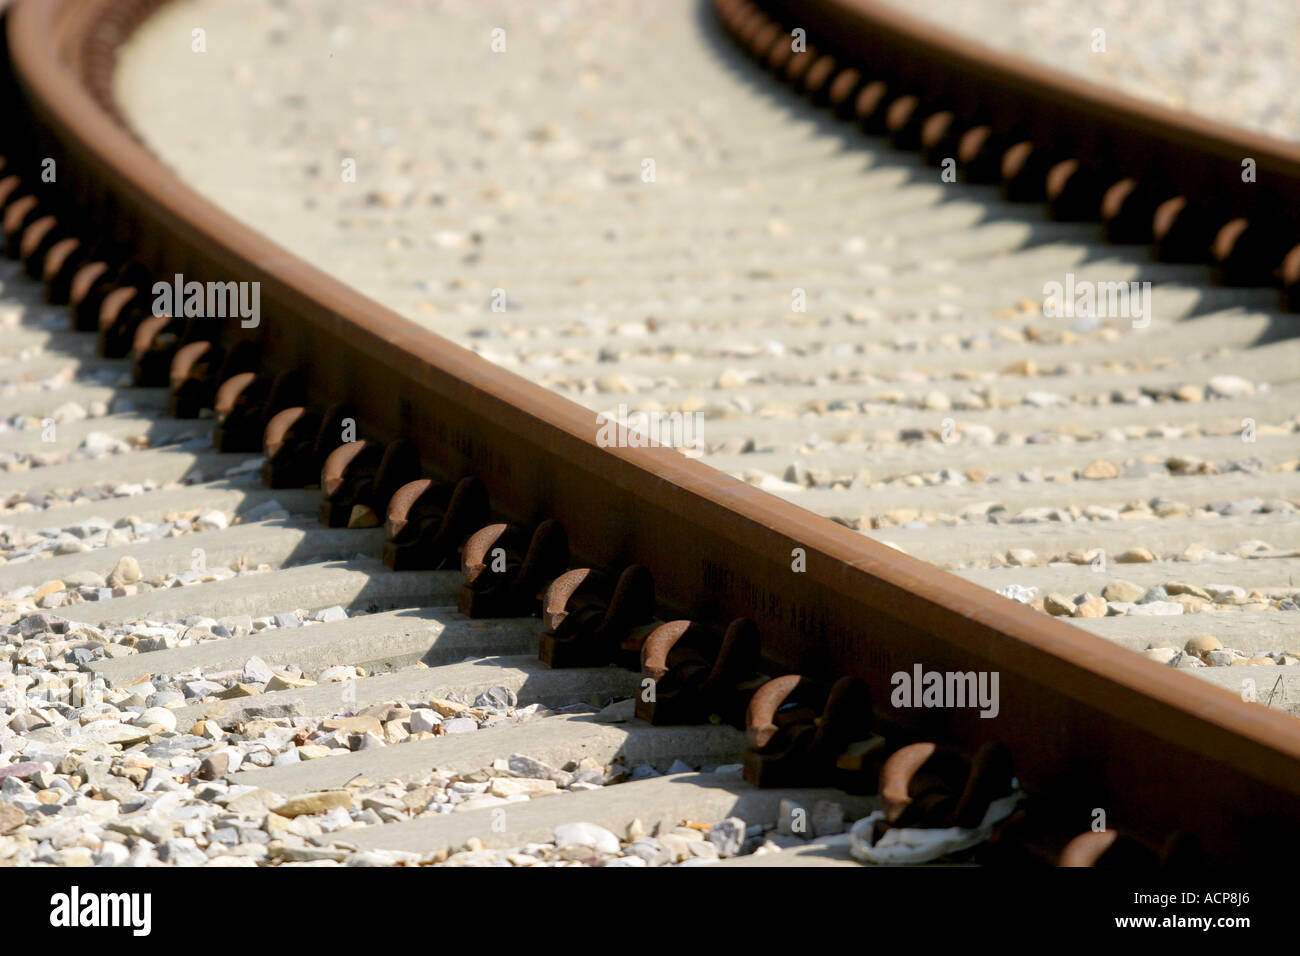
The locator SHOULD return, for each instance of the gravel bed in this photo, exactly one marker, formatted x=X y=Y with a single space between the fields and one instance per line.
x=690 y=843
x=248 y=472
x=91 y=774
x=1121 y=598
x=798 y=476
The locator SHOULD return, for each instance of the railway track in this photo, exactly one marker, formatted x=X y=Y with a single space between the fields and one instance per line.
x=199 y=671
x=882 y=405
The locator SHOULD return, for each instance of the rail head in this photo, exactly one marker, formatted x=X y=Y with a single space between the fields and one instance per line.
x=1078 y=713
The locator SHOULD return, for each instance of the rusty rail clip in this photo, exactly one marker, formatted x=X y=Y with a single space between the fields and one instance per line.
x=21 y=209
x=121 y=311
x=62 y=260
x=427 y=522
x=505 y=568
x=153 y=346
x=39 y=236
x=247 y=401
x=790 y=744
x=94 y=281
x=198 y=369
x=157 y=340
x=287 y=444
x=592 y=620
x=359 y=477
x=74 y=275
x=297 y=441
x=928 y=786
x=28 y=223
x=697 y=676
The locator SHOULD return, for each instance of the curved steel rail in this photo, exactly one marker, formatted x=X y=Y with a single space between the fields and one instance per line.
x=1085 y=720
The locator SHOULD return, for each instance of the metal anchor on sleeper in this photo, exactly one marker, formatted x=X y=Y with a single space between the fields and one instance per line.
x=925 y=785
x=427 y=521
x=122 y=309
x=296 y=442
x=698 y=676
x=592 y=619
x=155 y=343
x=505 y=568
x=199 y=368
x=798 y=730
x=246 y=402
x=360 y=477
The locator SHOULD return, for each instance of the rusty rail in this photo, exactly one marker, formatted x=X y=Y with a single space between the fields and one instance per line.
x=1087 y=723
